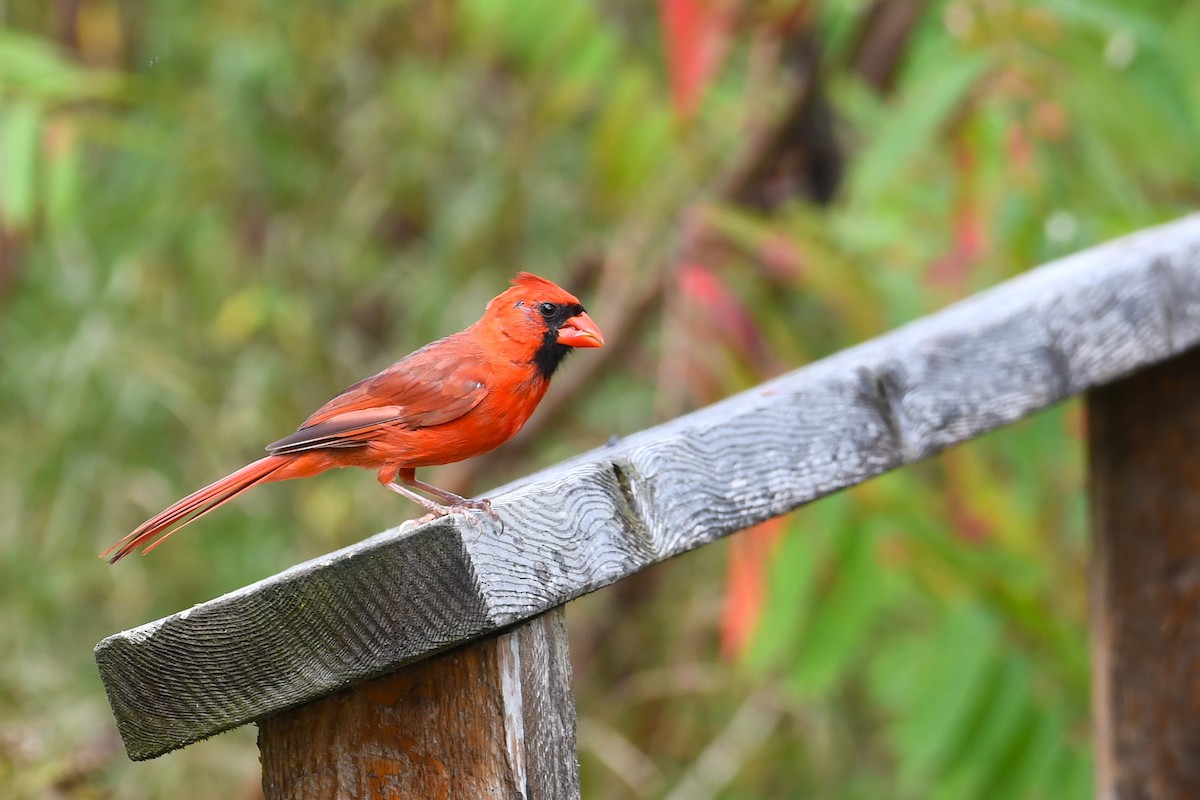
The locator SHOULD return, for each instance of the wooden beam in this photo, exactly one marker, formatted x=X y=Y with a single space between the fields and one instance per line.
x=402 y=595
x=1144 y=435
x=494 y=718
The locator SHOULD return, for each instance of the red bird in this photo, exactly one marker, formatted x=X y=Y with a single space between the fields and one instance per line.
x=453 y=399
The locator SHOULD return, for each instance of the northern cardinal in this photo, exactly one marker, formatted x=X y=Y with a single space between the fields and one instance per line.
x=453 y=399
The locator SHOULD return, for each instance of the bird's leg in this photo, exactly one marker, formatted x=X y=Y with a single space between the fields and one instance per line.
x=434 y=509
x=403 y=478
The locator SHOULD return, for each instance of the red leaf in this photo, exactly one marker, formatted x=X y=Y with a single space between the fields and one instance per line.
x=723 y=309
x=970 y=229
x=745 y=584
x=695 y=33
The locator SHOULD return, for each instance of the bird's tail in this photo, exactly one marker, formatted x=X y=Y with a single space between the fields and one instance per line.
x=196 y=505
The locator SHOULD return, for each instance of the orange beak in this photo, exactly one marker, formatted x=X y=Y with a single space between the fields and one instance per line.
x=580 y=331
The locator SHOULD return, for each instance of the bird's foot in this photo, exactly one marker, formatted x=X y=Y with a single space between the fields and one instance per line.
x=465 y=506
x=454 y=503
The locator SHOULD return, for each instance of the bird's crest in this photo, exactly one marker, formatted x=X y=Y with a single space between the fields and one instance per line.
x=530 y=281
x=527 y=285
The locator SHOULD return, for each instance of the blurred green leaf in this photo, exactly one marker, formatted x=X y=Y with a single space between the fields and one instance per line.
x=631 y=134
x=842 y=616
x=1003 y=702
x=64 y=174
x=928 y=101
x=948 y=687
x=31 y=66
x=1030 y=755
x=20 y=147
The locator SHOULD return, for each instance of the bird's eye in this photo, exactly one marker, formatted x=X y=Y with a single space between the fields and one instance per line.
x=547 y=310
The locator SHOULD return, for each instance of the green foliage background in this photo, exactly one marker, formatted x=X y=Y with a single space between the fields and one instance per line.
x=215 y=215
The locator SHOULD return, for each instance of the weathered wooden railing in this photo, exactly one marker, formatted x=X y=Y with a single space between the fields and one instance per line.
x=488 y=710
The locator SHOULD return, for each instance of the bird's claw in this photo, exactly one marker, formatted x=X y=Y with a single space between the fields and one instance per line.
x=465 y=507
x=484 y=505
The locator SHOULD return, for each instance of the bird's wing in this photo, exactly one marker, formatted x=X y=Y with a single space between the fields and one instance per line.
x=422 y=390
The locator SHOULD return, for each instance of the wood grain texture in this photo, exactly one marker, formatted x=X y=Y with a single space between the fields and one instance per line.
x=494 y=719
x=1144 y=435
x=996 y=357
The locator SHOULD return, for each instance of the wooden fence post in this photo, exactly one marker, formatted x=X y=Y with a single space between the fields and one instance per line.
x=492 y=719
x=1144 y=434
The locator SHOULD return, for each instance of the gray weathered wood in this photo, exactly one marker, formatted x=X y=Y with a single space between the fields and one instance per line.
x=403 y=594
x=492 y=719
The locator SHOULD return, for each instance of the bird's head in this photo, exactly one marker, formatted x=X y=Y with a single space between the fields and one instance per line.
x=545 y=319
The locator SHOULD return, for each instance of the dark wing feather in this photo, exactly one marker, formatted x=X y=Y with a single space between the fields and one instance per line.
x=436 y=384
x=350 y=429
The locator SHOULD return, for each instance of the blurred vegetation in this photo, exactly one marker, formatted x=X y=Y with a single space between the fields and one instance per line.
x=214 y=216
